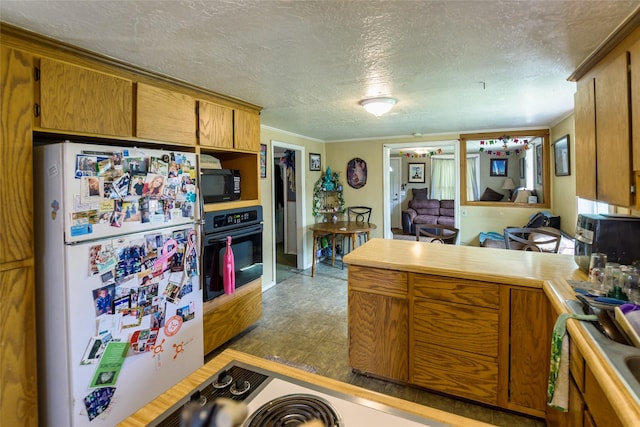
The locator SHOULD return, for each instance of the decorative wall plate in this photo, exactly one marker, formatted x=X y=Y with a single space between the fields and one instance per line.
x=356 y=173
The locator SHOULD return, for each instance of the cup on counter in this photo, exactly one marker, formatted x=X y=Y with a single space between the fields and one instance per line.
x=611 y=276
x=596 y=277
x=629 y=281
x=598 y=261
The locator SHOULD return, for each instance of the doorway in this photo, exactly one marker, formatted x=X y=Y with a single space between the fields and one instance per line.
x=397 y=151
x=394 y=193
x=288 y=202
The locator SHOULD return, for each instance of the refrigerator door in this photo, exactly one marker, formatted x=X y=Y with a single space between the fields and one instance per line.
x=100 y=191
x=142 y=302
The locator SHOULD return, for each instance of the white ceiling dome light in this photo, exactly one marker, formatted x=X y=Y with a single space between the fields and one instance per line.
x=379 y=105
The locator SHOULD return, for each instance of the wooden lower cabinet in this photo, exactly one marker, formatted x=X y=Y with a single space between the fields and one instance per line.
x=473 y=339
x=378 y=323
x=19 y=393
x=455 y=372
x=378 y=340
x=597 y=405
x=528 y=349
x=228 y=315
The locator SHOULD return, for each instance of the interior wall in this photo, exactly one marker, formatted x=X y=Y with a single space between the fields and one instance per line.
x=477 y=219
x=267 y=135
x=338 y=156
x=563 y=188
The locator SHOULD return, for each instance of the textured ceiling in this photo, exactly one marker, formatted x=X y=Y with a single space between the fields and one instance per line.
x=452 y=65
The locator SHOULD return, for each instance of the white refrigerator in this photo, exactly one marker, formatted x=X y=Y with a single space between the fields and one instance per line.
x=119 y=302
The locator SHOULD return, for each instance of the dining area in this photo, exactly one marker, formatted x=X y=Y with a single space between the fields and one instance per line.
x=331 y=237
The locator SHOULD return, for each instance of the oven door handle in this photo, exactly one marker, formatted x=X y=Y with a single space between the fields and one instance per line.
x=222 y=238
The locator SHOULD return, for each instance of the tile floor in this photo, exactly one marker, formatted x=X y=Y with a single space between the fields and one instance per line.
x=305 y=322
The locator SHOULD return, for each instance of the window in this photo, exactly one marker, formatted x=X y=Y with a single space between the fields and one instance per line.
x=443 y=177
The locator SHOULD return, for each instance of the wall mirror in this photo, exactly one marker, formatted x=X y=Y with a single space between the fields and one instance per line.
x=505 y=167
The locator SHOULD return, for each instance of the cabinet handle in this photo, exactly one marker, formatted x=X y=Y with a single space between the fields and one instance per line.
x=36 y=110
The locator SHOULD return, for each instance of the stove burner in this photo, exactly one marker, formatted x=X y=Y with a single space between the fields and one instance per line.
x=293 y=410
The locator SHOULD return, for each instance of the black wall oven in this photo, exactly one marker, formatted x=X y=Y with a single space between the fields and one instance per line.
x=244 y=226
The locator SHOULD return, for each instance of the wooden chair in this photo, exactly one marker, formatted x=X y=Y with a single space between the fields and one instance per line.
x=531 y=239
x=438 y=233
x=358 y=214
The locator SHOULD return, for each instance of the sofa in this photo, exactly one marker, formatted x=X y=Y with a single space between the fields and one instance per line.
x=427 y=211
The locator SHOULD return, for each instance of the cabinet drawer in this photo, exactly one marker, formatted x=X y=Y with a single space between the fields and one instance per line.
x=470 y=329
x=457 y=373
x=377 y=280
x=461 y=291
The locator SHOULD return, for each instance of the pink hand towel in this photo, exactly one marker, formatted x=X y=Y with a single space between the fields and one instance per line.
x=229 y=271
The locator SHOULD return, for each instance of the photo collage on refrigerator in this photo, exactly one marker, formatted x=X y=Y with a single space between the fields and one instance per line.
x=144 y=278
x=129 y=187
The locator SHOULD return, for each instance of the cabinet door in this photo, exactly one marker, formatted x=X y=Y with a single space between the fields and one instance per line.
x=165 y=115
x=598 y=404
x=215 y=125
x=16 y=184
x=530 y=343
x=80 y=100
x=613 y=146
x=19 y=399
x=585 y=127
x=379 y=335
x=634 y=60
x=246 y=130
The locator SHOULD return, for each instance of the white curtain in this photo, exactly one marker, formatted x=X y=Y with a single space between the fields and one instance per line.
x=473 y=192
x=443 y=178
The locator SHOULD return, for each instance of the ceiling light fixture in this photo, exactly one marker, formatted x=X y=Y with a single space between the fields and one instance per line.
x=378 y=106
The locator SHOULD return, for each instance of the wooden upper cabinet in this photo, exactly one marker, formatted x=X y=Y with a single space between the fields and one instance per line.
x=613 y=144
x=215 y=125
x=80 y=100
x=246 y=130
x=16 y=151
x=585 y=128
x=634 y=60
x=165 y=115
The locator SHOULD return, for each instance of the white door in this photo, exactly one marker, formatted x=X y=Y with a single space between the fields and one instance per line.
x=394 y=192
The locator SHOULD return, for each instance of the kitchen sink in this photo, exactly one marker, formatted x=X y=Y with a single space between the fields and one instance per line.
x=625 y=359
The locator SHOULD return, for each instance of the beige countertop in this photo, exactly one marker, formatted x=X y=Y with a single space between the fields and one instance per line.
x=469 y=262
x=159 y=405
x=620 y=398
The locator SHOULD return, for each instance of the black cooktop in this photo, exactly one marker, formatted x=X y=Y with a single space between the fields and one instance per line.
x=234 y=382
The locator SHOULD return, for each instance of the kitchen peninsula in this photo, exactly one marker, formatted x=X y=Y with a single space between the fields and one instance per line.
x=470 y=322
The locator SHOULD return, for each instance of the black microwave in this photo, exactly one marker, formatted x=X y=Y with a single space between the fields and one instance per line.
x=219 y=185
